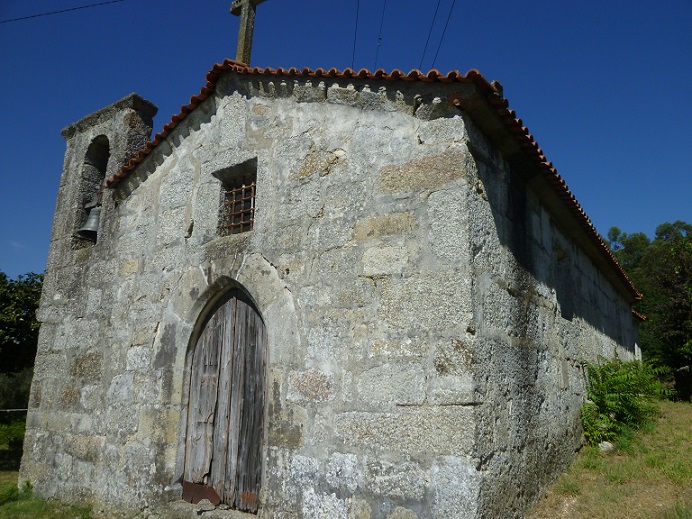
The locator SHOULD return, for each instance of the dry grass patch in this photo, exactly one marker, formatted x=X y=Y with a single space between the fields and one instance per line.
x=649 y=475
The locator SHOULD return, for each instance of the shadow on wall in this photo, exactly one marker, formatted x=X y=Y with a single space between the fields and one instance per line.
x=519 y=220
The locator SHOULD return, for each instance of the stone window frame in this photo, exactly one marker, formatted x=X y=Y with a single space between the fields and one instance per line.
x=238 y=193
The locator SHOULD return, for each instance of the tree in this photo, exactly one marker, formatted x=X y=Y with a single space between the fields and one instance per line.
x=19 y=300
x=662 y=270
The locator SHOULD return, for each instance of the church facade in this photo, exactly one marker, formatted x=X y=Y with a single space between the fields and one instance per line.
x=317 y=294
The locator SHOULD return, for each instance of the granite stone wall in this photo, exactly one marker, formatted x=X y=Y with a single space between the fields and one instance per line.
x=426 y=315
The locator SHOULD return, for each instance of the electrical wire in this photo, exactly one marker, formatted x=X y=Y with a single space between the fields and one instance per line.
x=443 y=33
x=61 y=11
x=379 y=36
x=432 y=24
x=355 y=35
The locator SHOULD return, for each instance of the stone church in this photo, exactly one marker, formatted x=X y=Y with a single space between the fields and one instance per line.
x=317 y=294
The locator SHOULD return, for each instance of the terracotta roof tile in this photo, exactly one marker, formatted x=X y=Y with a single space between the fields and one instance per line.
x=493 y=97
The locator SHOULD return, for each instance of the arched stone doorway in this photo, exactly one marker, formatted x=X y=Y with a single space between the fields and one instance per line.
x=223 y=447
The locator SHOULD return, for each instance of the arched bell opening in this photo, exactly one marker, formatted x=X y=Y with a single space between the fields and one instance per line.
x=91 y=183
x=226 y=401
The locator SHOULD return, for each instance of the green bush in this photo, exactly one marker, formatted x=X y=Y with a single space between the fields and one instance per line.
x=12 y=434
x=14 y=389
x=622 y=396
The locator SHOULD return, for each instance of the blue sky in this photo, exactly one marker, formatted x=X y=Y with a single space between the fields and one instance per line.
x=602 y=86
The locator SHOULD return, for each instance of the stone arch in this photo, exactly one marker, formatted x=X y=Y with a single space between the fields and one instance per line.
x=226 y=403
x=91 y=181
x=199 y=288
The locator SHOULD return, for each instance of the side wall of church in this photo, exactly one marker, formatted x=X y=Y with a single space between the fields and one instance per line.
x=541 y=309
x=415 y=345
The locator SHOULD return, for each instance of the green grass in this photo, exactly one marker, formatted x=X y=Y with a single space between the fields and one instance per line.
x=648 y=476
x=11 y=439
x=22 y=504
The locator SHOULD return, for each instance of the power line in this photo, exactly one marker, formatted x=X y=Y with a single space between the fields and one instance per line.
x=61 y=11
x=355 y=34
x=379 y=36
x=420 y=67
x=443 y=32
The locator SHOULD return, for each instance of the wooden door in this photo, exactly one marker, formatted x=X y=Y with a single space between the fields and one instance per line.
x=226 y=407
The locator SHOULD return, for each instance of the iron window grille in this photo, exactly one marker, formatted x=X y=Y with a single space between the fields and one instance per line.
x=238 y=214
x=238 y=187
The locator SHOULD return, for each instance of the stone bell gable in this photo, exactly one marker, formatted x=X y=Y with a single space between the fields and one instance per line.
x=319 y=294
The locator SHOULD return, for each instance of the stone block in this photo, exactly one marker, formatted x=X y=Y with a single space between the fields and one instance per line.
x=347 y=200
x=85 y=448
x=339 y=263
x=380 y=261
x=327 y=347
x=304 y=469
x=456 y=485
x=343 y=473
x=426 y=173
x=396 y=224
x=172 y=227
x=323 y=505
x=120 y=389
x=398 y=347
x=69 y=399
x=87 y=366
x=426 y=302
x=408 y=432
x=91 y=397
x=451 y=390
x=405 y=480
x=454 y=357
x=319 y=162
x=138 y=358
x=448 y=215
x=315 y=386
x=443 y=131
x=359 y=509
x=402 y=513
x=326 y=234
x=396 y=383
x=93 y=305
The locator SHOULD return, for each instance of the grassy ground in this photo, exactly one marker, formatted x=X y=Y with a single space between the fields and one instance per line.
x=649 y=476
x=22 y=505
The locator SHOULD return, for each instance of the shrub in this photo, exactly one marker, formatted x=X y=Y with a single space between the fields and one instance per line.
x=14 y=389
x=12 y=434
x=622 y=396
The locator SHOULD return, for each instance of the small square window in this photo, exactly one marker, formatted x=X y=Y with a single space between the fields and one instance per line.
x=238 y=183
x=238 y=213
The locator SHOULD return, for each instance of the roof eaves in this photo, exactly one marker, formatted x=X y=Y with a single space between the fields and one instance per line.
x=534 y=153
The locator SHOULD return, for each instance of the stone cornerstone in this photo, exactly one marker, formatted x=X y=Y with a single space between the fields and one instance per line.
x=428 y=289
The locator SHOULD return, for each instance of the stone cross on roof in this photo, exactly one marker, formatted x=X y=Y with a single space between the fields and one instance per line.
x=246 y=10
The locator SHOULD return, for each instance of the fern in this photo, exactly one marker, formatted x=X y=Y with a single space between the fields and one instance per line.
x=621 y=395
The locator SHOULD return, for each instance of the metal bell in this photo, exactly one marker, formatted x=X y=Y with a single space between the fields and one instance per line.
x=91 y=227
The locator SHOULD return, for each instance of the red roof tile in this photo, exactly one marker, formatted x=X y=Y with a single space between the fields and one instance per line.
x=492 y=92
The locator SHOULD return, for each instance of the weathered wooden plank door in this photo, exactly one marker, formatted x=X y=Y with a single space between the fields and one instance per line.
x=226 y=407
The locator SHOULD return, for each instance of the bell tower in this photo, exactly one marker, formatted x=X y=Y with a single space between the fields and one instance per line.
x=98 y=145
